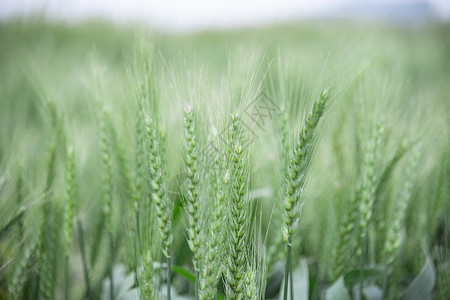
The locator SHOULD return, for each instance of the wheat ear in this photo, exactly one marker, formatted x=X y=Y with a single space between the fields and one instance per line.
x=160 y=201
x=107 y=186
x=237 y=257
x=192 y=192
x=296 y=177
x=68 y=215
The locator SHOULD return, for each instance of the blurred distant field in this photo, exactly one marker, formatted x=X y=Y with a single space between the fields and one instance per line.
x=56 y=79
x=406 y=69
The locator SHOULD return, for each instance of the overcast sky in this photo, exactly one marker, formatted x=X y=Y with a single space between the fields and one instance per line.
x=192 y=14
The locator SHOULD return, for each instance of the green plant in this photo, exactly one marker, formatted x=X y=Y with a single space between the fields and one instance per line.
x=192 y=194
x=237 y=253
x=70 y=210
x=159 y=197
x=107 y=185
x=393 y=238
x=296 y=179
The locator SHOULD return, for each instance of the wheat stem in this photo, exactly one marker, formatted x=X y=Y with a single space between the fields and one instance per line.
x=287 y=271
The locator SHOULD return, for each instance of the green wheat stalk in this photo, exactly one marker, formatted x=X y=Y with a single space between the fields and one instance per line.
x=212 y=267
x=69 y=213
x=401 y=202
x=368 y=187
x=368 y=193
x=47 y=234
x=49 y=271
x=159 y=197
x=19 y=277
x=296 y=177
x=192 y=192
x=107 y=188
x=380 y=206
x=237 y=256
x=141 y=209
x=138 y=179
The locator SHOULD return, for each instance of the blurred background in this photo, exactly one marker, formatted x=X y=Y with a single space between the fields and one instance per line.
x=201 y=14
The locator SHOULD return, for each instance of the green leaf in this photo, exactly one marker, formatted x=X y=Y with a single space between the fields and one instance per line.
x=189 y=276
x=337 y=291
x=364 y=275
x=422 y=286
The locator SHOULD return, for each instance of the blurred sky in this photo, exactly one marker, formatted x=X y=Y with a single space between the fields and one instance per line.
x=198 y=14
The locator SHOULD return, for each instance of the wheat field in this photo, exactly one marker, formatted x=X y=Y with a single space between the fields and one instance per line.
x=296 y=161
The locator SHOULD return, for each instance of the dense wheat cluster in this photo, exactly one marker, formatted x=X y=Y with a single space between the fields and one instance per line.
x=293 y=162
